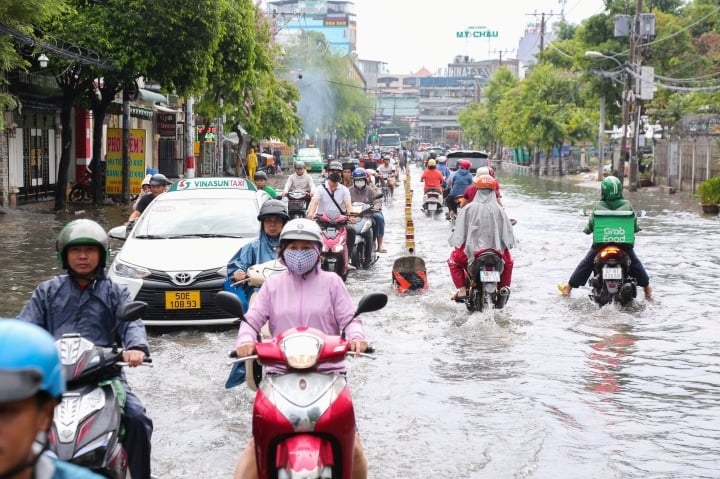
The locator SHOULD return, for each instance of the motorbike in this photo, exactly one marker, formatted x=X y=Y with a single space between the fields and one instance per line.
x=87 y=428
x=298 y=201
x=303 y=420
x=611 y=281
x=83 y=189
x=482 y=278
x=432 y=203
x=335 y=250
x=361 y=220
x=256 y=276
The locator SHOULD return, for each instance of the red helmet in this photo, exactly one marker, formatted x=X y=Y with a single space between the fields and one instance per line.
x=486 y=182
x=464 y=164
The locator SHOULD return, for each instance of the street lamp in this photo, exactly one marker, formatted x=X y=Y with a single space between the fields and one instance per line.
x=43 y=60
x=625 y=114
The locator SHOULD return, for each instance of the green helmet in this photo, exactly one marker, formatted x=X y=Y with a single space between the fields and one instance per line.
x=82 y=232
x=611 y=189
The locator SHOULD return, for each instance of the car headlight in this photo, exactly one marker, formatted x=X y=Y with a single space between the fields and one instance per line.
x=130 y=271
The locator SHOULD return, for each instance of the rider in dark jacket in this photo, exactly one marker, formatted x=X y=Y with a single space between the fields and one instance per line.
x=611 y=199
x=85 y=301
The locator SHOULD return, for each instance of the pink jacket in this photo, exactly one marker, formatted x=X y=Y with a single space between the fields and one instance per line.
x=319 y=300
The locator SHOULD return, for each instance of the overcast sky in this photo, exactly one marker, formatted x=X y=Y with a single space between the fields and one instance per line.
x=411 y=34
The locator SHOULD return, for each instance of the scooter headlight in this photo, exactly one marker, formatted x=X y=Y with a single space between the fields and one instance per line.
x=301 y=350
x=338 y=248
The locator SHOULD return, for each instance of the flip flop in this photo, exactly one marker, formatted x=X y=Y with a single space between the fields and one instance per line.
x=457 y=298
x=561 y=288
x=381 y=250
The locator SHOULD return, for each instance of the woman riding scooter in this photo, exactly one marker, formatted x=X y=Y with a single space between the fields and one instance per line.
x=302 y=295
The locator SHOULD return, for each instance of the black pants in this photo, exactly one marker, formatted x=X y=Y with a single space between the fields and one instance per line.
x=138 y=434
x=584 y=269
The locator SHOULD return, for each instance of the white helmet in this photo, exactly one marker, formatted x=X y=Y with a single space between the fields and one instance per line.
x=301 y=229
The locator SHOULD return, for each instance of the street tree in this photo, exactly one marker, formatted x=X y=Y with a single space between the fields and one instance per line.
x=17 y=46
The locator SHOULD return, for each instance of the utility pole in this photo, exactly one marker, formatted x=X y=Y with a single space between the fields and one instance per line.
x=500 y=52
x=543 y=24
x=635 y=64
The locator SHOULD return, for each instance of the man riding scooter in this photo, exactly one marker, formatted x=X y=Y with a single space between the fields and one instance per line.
x=364 y=193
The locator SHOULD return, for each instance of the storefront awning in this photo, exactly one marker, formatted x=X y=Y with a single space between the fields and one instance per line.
x=150 y=97
x=165 y=109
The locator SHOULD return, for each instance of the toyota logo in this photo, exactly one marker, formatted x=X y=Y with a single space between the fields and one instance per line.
x=182 y=278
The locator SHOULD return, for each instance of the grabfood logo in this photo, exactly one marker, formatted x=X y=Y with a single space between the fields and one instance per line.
x=614 y=235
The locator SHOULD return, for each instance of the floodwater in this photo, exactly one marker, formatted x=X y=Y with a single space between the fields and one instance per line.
x=547 y=387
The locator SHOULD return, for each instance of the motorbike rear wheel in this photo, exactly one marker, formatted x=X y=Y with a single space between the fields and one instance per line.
x=474 y=300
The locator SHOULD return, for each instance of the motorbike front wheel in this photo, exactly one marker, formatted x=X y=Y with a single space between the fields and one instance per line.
x=77 y=193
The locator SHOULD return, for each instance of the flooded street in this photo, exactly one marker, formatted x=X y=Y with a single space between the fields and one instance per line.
x=548 y=387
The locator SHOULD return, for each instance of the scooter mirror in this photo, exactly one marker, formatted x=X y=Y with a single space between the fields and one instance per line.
x=230 y=303
x=131 y=311
x=371 y=302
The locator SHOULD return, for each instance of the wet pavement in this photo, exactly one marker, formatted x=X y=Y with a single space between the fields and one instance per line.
x=548 y=387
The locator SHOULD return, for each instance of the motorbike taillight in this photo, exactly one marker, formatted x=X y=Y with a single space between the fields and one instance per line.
x=611 y=251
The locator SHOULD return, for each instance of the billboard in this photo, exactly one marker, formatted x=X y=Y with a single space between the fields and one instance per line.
x=113 y=172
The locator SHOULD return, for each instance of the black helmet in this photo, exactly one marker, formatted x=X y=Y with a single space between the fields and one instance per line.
x=159 y=179
x=82 y=232
x=273 y=208
x=260 y=175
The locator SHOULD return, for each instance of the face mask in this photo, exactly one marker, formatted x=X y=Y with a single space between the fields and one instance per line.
x=360 y=183
x=300 y=261
x=334 y=177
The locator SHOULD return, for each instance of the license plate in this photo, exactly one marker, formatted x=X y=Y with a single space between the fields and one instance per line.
x=296 y=205
x=612 y=272
x=432 y=206
x=489 y=276
x=182 y=299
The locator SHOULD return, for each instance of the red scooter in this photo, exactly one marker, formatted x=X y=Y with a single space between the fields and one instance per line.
x=303 y=420
x=335 y=251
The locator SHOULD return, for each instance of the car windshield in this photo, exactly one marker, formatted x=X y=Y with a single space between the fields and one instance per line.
x=199 y=217
x=477 y=158
x=308 y=152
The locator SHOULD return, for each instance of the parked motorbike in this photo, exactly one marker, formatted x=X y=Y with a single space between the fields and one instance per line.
x=361 y=220
x=87 y=428
x=303 y=420
x=335 y=250
x=432 y=203
x=483 y=275
x=611 y=281
x=83 y=189
x=298 y=201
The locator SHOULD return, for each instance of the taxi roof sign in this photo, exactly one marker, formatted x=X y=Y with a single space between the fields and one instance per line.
x=212 y=184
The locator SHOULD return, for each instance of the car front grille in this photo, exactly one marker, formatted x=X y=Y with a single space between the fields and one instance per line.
x=153 y=293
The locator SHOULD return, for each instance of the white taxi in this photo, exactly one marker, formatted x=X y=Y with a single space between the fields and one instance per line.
x=175 y=258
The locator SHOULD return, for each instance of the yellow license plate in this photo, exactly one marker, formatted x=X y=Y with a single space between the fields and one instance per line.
x=182 y=299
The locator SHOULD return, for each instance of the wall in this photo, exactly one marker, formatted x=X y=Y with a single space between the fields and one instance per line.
x=684 y=163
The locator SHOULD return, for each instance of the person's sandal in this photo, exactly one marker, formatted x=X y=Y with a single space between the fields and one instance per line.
x=381 y=250
x=564 y=289
x=458 y=298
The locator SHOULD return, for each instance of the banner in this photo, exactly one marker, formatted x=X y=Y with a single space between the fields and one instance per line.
x=113 y=179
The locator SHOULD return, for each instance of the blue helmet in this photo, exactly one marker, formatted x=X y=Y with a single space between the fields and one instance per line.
x=359 y=173
x=29 y=362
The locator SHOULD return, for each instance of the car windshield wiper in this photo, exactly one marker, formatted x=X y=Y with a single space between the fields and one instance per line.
x=152 y=236
x=206 y=235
